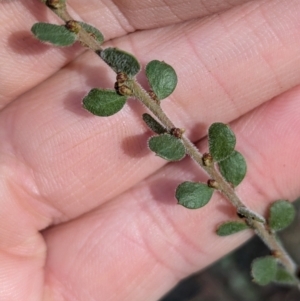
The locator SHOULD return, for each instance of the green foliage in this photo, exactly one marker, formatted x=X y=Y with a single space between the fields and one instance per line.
x=284 y=277
x=193 y=195
x=102 y=102
x=231 y=227
x=281 y=215
x=264 y=270
x=57 y=35
x=167 y=147
x=221 y=141
x=155 y=126
x=233 y=168
x=93 y=31
x=162 y=78
x=121 y=61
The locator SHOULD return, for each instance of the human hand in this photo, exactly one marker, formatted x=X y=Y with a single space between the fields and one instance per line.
x=87 y=212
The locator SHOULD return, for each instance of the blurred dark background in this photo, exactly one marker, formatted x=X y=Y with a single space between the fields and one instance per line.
x=229 y=279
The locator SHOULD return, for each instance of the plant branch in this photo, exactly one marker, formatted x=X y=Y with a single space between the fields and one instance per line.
x=223 y=186
x=83 y=36
x=253 y=219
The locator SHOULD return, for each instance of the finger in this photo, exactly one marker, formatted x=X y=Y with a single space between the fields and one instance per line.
x=81 y=160
x=140 y=244
x=37 y=207
x=25 y=62
x=137 y=15
x=22 y=248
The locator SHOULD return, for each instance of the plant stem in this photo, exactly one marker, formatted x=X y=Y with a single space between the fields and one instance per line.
x=253 y=219
x=224 y=187
x=83 y=36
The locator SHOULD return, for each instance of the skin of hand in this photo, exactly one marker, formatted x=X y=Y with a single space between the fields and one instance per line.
x=87 y=211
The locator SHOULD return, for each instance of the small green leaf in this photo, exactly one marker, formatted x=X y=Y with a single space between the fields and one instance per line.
x=231 y=227
x=154 y=125
x=193 y=195
x=102 y=102
x=221 y=141
x=284 y=277
x=264 y=270
x=57 y=35
x=281 y=215
x=121 y=61
x=94 y=31
x=162 y=78
x=233 y=168
x=167 y=147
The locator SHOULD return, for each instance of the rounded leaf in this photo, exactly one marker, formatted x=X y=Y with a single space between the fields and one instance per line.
x=231 y=227
x=167 y=147
x=281 y=215
x=162 y=78
x=154 y=125
x=120 y=61
x=264 y=270
x=221 y=141
x=233 y=168
x=102 y=102
x=94 y=31
x=193 y=195
x=57 y=35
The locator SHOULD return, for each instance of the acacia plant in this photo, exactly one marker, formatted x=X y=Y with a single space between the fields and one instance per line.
x=224 y=165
